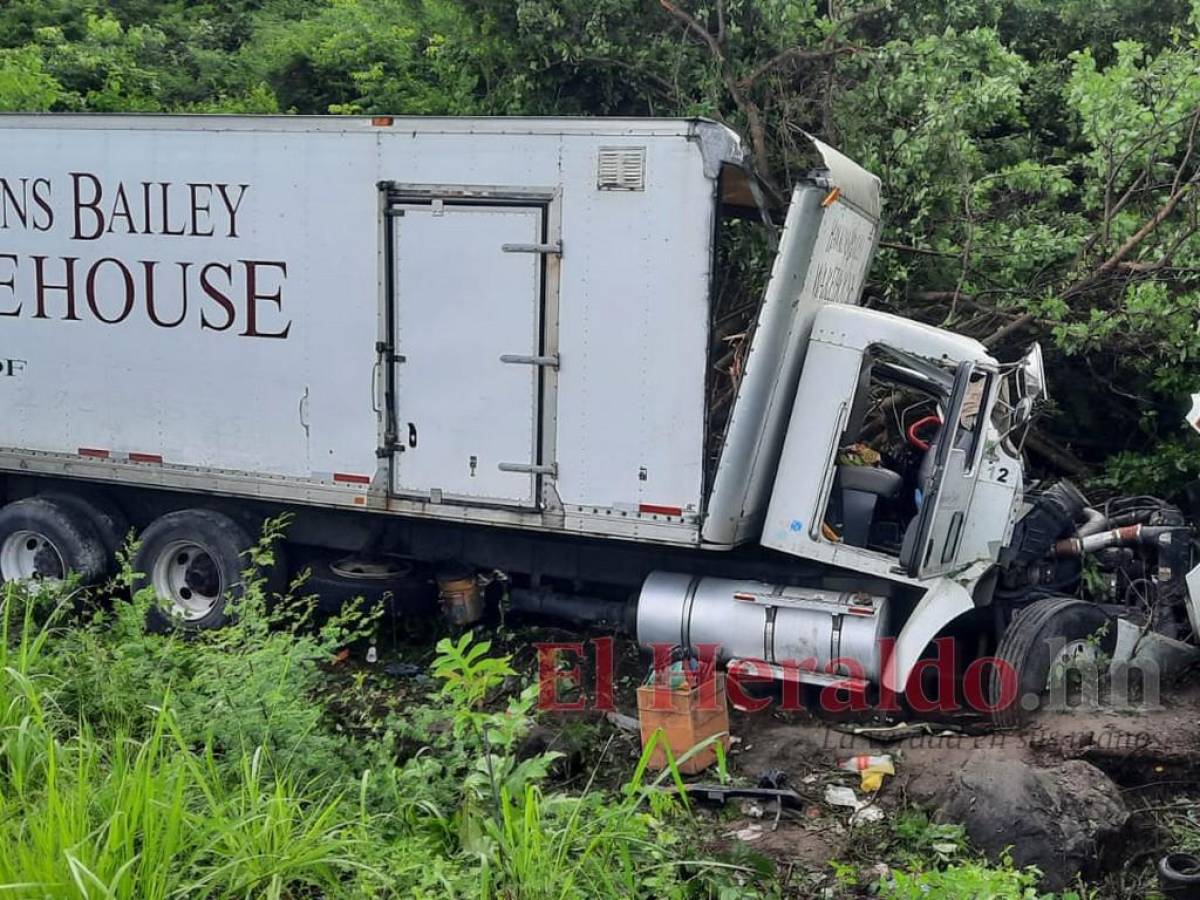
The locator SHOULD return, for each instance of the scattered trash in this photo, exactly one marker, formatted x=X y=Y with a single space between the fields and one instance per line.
x=839 y=795
x=751 y=833
x=372 y=655
x=867 y=814
x=751 y=810
x=872 y=769
x=719 y=793
x=1179 y=875
x=864 y=810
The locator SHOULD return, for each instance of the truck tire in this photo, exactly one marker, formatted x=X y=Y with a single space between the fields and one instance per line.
x=400 y=586
x=110 y=523
x=43 y=539
x=1179 y=875
x=1047 y=632
x=194 y=559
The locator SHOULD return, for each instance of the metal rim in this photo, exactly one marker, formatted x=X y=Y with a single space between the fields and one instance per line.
x=30 y=556
x=372 y=570
x=1072 y=654
x=187 y=579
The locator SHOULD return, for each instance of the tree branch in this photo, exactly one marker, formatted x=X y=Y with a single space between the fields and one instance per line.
x=1057 y=455
x=748 y=108
x=793 y=54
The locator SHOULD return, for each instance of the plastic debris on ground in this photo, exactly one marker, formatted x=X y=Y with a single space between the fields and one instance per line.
x=751 y=833
x=871 y=768
x=864 y=810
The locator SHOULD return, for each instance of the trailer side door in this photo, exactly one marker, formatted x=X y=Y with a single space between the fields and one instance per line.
x=466 y=326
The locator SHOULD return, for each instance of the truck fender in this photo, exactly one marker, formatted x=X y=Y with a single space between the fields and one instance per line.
x=942 y=603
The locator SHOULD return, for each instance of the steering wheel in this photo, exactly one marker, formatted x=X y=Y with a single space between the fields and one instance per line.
x=913 y=433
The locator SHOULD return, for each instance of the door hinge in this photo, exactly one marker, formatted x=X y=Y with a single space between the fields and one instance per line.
x=552 y=249
x=550 y=361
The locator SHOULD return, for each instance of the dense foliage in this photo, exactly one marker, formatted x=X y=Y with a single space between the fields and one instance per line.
x=1039 y=156
x=243 y=764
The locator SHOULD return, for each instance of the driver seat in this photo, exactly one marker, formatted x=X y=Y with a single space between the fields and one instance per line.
x=859 y=488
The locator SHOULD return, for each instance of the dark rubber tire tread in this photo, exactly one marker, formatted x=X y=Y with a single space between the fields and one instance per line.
x=69 y=530
x=1023 y=648
x=110 y=523
x=225 y=541
x=409 y=594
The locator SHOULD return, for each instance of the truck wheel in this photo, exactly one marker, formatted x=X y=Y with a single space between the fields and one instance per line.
x=43 y=539
x=194 y=560
x=395 y=583
x=110 y=523
x=1042 y=638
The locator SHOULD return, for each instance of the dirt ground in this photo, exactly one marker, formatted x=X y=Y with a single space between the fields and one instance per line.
x=1151 y=752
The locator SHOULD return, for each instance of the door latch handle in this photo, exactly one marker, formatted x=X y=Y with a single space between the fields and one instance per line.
x=530 y=469
x=554 y=249
x=550 y=362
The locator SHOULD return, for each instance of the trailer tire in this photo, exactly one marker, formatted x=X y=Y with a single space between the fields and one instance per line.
x=44 y=538
x=194 y=559
x=408 y=590
x=110 y=523
x=1046 y=632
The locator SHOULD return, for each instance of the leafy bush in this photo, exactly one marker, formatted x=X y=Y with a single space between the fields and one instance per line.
x=930 y=860
x=136 y=765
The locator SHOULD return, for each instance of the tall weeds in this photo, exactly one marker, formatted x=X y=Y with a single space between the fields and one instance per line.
x=146 y=766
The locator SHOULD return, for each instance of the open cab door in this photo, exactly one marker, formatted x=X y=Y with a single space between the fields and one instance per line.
x=931 y=542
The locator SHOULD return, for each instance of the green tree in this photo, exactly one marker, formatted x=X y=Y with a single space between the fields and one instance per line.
x=1039 y=157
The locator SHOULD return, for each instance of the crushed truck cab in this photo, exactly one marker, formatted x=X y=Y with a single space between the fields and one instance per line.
x=853 y=352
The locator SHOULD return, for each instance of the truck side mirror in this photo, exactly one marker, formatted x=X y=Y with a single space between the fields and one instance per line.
x=1033 y=374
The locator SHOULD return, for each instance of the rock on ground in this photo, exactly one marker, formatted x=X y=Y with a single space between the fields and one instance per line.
x=1067 y=820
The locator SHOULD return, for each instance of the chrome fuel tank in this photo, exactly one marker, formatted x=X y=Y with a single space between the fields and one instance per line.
x=808 y=628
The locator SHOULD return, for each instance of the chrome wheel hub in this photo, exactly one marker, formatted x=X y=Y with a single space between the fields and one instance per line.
x=30 y=556
x=187 y=580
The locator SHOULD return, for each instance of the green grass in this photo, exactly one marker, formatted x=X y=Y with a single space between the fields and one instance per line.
x=145 y=766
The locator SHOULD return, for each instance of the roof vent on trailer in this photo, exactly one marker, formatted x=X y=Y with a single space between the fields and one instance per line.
x=621 y=169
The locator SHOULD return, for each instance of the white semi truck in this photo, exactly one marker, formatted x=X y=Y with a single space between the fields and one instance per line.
x=526 y=345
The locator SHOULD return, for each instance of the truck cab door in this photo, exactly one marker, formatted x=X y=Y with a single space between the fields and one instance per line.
x=932 y=539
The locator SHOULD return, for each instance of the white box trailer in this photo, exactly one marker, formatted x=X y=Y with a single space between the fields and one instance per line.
x=503 y=340
x=505 y=321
